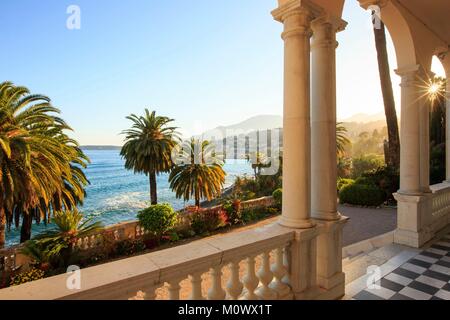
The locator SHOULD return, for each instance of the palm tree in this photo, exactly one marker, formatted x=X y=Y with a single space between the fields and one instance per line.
x=148 y=147
x=60 y=242
x=341 y=139
x=198 y=172
x=36 y=159
x=258 y=161
x=393 y=145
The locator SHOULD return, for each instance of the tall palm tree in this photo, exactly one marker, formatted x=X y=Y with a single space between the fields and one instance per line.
x=148 y=147
x=198 y=172
x=393 y=145
x=341 y=139
x=36 y=158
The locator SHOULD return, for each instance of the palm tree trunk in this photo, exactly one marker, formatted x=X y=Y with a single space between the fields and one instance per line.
x=2 y=228
x=153 y=194
x=197 y=197
x=25 y=230
x=388 y=97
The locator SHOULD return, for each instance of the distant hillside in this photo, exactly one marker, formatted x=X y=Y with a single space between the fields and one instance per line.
x=261 y=122
x=356 y=128
x=365 y=118
x=101 y=147
x=240 y=134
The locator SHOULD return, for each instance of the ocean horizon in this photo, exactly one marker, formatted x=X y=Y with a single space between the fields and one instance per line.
x=116 y=194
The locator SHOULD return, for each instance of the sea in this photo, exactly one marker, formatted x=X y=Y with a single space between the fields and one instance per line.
x=116 y=194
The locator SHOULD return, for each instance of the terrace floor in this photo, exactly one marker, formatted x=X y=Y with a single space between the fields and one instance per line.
x=404 y=273
x=366 y=223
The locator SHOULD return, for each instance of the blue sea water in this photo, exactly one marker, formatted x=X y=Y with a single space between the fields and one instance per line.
x=116 y=194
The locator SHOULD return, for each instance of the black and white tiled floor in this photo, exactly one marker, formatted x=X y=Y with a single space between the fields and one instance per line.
x=424 y=277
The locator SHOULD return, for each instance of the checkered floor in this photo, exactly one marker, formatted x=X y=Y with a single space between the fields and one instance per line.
x=425 y=277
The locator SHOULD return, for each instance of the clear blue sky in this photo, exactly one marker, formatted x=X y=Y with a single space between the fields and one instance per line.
x=203 y=62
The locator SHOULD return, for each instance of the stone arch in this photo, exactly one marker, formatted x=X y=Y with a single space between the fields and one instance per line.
x=400 y=32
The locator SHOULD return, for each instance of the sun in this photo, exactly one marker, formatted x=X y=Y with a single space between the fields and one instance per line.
x=434 y=88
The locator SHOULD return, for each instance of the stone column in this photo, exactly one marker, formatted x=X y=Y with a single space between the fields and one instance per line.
x=296 y=211
x=323 y=118
x=410 y=131
x=424 y=116
x=447 y=128
x=414 y=206
x=445 y=59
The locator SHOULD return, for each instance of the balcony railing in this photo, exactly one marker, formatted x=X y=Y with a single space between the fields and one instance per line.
x=440 y=207
x=11 y=258
x=252 y=264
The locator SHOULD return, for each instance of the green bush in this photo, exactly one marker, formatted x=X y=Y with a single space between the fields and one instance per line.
x=387 y=179
x=249 y=215
x=366 y=163
x=368 y=181
x=362 y=195
x=233 y=211
x=344 y=182
x=158 y=219
x=278 y=196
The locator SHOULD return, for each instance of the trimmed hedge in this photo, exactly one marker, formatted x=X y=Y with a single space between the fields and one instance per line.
x=362 y=195
x=366 y=181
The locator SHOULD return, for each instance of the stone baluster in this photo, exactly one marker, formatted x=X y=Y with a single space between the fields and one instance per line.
x=150 y=294
x=174 y=289
x=265 y=276
x=287 y=264
x=216 y=292
x=279 y=271
x=234 y=286
x=250 y=280
x=196 y=282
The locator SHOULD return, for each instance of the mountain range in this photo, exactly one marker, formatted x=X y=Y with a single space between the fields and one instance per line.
x=355 y=125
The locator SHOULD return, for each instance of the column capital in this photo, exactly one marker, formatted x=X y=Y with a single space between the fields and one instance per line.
x=413 y=74
x=286 y=8
x=366 y=4
x=327 y=20
x=324 y=30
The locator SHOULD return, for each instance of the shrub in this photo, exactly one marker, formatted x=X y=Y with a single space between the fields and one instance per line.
x=387 y=179
x=344 y=182
x=24 y=277
x=129 y=247
x=273 y=211
x=233 y=211
x=362 y=195
x=158 y=219
x=254 y=214
x=249 y=195
x=368 y=181
x=278 y=196
x=205 y=221
x=366 y=163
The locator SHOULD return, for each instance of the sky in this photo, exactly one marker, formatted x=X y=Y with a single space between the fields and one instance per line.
x=204 y=63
